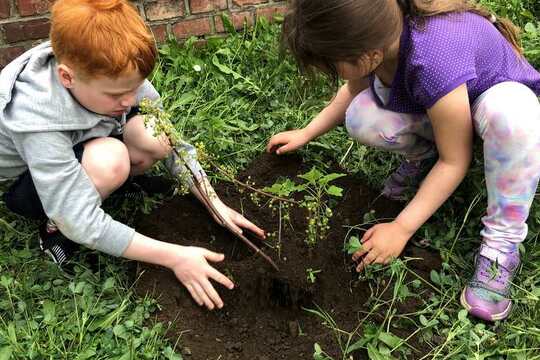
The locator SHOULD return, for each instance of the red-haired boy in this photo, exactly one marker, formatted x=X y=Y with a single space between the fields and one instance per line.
x=70 y=137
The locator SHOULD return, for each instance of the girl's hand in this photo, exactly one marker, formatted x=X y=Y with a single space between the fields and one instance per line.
x=381 y=244
x=236 y=220
x=287 y=141
x=192 y=269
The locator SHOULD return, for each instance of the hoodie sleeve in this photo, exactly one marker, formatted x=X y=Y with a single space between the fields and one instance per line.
x=179 y=167
x=67 y=194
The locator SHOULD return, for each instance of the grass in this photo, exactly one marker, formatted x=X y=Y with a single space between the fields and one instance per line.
x=231 y=95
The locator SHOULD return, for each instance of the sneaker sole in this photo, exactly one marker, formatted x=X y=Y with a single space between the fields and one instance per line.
x=482 y=314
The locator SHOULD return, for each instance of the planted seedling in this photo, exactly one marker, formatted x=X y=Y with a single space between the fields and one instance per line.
x=316 y=190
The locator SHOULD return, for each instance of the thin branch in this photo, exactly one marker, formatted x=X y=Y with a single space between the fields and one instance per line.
x=210 y=206
x=258 y=191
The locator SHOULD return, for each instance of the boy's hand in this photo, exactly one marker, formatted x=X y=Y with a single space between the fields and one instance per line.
x=192 y=269
x=237 y=220
x=287 y=141
x=381 y=244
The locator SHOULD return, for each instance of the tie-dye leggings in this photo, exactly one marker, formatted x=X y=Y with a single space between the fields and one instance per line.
x=507 y=118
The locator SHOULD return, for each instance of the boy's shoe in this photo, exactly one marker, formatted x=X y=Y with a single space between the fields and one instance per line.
x=136 y=187
x=486 y=295
x=128 y=190
x=406 y=178
x=155 y=185
x=56 y=245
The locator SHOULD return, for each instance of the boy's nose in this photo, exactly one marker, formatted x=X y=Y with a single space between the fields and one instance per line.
x=128 y=101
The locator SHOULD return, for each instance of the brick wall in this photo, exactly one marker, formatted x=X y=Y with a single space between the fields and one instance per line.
x=24 y=23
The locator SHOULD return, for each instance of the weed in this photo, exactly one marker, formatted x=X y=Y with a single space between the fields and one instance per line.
x=312 y=275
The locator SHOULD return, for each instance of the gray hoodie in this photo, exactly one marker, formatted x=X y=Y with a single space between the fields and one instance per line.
x=40 y=122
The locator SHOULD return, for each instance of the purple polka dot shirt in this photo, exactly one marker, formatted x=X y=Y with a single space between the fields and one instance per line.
x=439 y=53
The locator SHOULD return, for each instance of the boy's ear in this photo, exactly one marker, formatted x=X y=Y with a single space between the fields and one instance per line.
x=66 y=76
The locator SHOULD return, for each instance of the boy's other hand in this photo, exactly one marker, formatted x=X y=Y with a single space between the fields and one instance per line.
x=287 y=141
x=236 y=220
x=192 y=269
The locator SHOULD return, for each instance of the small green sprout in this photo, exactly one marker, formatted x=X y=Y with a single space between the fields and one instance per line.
x=312 y=275
x=353 y=245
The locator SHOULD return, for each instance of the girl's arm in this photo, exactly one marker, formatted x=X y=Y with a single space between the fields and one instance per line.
x=453 y=130
x=330 y=117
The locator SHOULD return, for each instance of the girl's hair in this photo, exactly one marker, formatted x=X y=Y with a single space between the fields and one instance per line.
x=102 y=38
x=321 y=32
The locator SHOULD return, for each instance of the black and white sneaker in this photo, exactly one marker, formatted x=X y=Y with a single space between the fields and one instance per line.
x=56 y=245
x=155 y=185
x=137 y=187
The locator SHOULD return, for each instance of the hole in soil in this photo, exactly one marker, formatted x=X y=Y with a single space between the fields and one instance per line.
x=284 y=293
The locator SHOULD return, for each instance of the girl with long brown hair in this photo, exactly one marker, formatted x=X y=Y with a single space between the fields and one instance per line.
x=422 y=77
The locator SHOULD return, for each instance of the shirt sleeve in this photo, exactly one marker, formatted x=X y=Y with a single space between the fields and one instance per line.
x=182 y=162
x=438 y=62
x=148 y=91
x=67 y=194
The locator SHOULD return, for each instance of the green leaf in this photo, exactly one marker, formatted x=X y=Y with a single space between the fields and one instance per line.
x=390 y=339
x=284 y=188
x=184 y=99
x=5 y=353
x=120 y=331
x=353 y=245
x=334 y=191
x=6 y=281
x=227 y=23
x=125 y=356
x=357 y=345
x=224 y=68
x=87 y=354
x=462 y=315
x=530 y=28
x=49 y=311
x=171 y=355
x=319 y=354
x=435 y=277
x=374 y=354
x=312 y=176
x=108 y=284
x=330 y=177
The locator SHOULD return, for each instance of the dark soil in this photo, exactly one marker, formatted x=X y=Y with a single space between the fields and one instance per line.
x=264 y=316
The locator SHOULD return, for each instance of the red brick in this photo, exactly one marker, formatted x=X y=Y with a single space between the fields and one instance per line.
x=270 y=12
x=8 y=54
x=237 y=19
x=164 y=9
x=248 y=2
x=33 y=7
x=5 y=9
x=200 y=6
x=160 y=32
x=187 y=28
x=26 y=30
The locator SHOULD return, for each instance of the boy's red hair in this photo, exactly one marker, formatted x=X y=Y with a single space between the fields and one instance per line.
x=102 y=37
